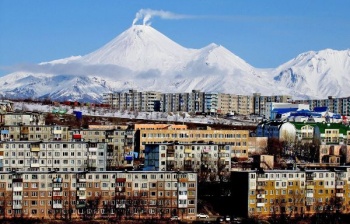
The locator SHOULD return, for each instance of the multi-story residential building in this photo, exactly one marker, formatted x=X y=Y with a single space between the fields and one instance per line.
x=133 y=100
x=52 y=156
x=259 y=102
x=191 y=157
x=332 y=133
x=245 y=105
x=211 y=103
x=34 y=133
x=335 y=105
x=24 y=118
x=98 y=194
x=290 y=192
x=237 y=138
x=119 y=139
x=195 y=101
x=228 y=103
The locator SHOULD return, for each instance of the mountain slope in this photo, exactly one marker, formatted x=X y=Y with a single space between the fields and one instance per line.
x=316 y=74
x=144 y=59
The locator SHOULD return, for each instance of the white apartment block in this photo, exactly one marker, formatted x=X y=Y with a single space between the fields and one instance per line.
x=194 y=102
x=132 y=100
x=52 y=156
x=24 y=118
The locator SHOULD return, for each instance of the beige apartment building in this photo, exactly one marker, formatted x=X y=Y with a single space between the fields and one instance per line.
x=236 y=138
x=34 y=133
x=94 y=195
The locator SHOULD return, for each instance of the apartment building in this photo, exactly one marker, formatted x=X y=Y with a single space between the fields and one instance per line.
x=191 y=157
x=259 y=101
x=24 y=118
x=119 y=140
x=291 y=192
x=227 y=103
x=237 y=138
x=195 y=101
x=100 y=194
x=211 y=103
x=335 y=105
x=52 y=156
x=133 y=100
x=33 y=133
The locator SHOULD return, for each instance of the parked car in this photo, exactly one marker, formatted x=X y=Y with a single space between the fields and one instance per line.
x=237 y=220
x=220 y=219
x=174 y=218
x=201 y=215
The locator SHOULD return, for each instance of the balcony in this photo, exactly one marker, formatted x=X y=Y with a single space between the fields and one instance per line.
x=120 y=205
x=260 y=204
x=309 y=195
x=260 y=196
x=16 y=206
x=120 y=189
x=182 y=205
x=82 y=180
x=82 y=197
x=57 y=189
x=17 y=188
x=35 y=165
x=260 y=187
x=17 y=180
x=339 y=195
x=17 y=197
x=35 y=149
x=339 y=186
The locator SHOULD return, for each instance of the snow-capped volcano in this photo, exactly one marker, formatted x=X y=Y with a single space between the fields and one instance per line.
x=316 y=74
x=142 y=58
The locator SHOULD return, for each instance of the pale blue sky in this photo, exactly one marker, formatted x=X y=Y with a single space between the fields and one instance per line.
x=263 y=33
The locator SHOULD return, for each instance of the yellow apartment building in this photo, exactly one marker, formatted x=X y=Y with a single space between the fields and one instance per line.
x=265 y=193
x=236 y=138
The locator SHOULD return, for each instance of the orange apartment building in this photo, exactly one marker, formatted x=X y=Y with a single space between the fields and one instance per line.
x=95 y=195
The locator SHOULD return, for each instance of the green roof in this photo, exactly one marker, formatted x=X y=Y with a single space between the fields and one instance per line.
x=341 y=127
x=299 y=125
x=323 y=126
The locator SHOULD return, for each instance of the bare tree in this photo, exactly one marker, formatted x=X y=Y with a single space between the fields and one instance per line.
x=91 y=208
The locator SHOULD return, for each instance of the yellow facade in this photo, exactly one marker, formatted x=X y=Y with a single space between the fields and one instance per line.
x=293 y=192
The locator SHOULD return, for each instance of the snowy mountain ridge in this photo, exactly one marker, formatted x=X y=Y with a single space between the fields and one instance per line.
x=142 y=58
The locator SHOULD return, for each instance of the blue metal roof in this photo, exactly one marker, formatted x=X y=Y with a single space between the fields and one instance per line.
x=320 y=109
x=283 y=110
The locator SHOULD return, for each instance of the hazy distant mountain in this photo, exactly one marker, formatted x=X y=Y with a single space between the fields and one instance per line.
x=144 y=59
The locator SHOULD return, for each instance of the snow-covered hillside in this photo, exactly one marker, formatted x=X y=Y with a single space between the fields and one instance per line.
x=142 y=58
